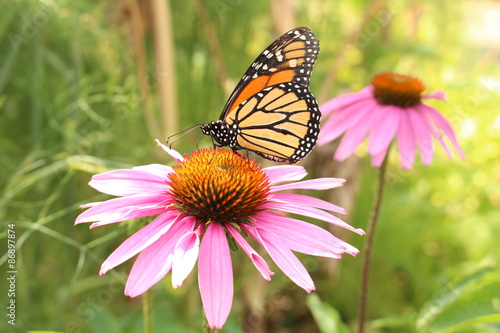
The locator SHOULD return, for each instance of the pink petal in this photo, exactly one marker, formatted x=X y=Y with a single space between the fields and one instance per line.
x=346 y=118
x=407 y=143
x=285 y=173
x=384 y=129
x=423 y=135
x=175 y=155
x=215 y=276
x=155 y=261
x=345 y=100
x=358 y=131
x=185 y=256
x=439 y=94
x=125 y=208
x=303 y=237
x=444 y=125
x=283 y=257
x=127 y=182
x=140 y=240
x=312 y=184
x=257 y=260
x=311 y=212
x=378 y=158
x=158 y=170
x=436 y=134
x=308 y=201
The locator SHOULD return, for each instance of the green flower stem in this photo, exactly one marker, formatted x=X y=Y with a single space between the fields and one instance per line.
x=372 y=224
x=147 y=312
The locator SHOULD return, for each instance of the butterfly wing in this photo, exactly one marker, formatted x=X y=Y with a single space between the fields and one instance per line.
x=290 y=58
x=275 y=114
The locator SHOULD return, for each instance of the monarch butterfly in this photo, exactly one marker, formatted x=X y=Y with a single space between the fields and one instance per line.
x=271 y=112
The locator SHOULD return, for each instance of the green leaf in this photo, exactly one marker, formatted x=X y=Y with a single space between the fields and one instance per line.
x=326 y=317
x=470 y=304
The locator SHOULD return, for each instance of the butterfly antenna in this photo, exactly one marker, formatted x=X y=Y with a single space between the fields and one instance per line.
x=198 y=143
x=181 y=134
x=215 y=150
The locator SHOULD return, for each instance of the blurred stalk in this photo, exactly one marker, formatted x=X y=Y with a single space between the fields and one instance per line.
x=214 y=45
x=164 y=72
x=283 y=16
x=137 y=32
x=373 y=7
x=147 y=312
x=367 y=252
x=37 y=117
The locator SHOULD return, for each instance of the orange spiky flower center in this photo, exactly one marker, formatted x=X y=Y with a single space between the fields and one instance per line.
x=219 y=186
x=397 y=89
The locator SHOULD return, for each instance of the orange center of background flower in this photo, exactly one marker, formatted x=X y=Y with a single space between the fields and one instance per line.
x=396 y=89
x=222 y=187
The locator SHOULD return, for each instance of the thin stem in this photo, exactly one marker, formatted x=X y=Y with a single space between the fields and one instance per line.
x=372 y=224
x=147 y=312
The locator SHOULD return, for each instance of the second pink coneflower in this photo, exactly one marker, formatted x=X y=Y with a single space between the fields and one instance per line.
x=392 y=107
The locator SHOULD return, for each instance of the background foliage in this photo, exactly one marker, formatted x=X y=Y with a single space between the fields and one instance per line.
x=79 y=86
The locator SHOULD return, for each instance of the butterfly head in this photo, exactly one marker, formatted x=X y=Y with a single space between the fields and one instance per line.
x=221 y=132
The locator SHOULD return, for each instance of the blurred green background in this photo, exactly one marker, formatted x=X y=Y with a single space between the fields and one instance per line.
x=85 y=86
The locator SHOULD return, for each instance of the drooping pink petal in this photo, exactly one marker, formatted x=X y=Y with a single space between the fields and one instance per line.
x=340 y=122
x=126 y=208
x=407 y=144
x=155 y=261
x=343 y=101
x=185 y=256
x=358 y=131
x=378 y=158
x=215 y=276
x=283 y=257
x=439 y=94
x=303 y=237
x=443 y=124
x=257 y=260
x=311 y=212
x=436 y=133
x=312 y=184
x=140 y=240
x=285 y=173
x=384 y=129
x=127 y=182
x=422 y=134
x=175 y=155
x=300 y=199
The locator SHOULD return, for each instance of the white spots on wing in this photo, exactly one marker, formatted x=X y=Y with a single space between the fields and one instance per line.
x=279 y=56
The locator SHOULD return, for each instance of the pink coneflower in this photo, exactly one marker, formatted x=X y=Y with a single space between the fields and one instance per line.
x=392 y=106
x=205 y=201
